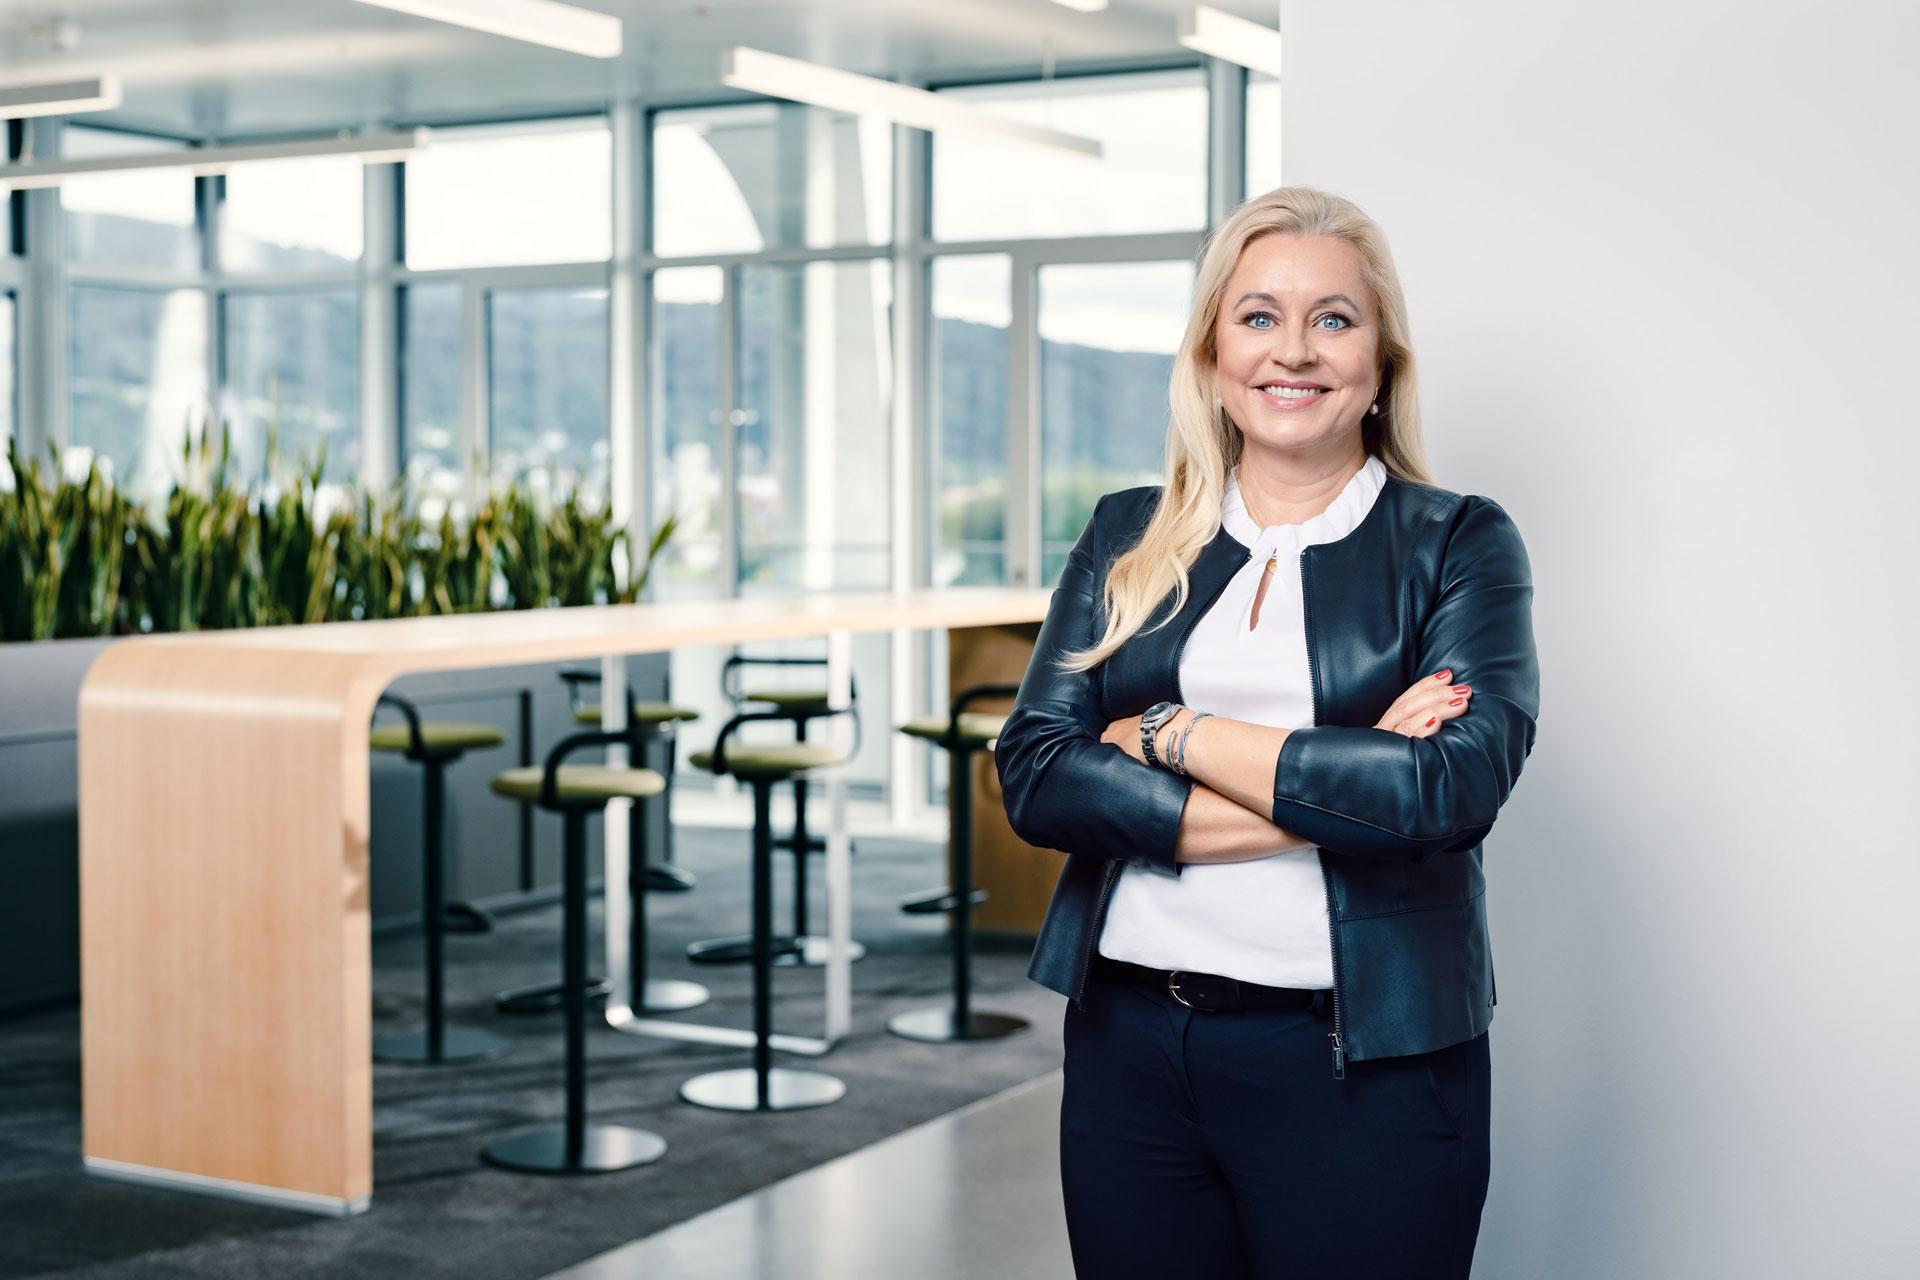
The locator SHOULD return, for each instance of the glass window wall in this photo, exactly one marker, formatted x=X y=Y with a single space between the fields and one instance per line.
x=506 y=196
x=430 y=394
x=969 y=303
x=135 y=219
x=292 y=394
x=1108 y=332
x=769 y=175
x=548 y=390
x=688 y=470
x=137 y=362
x=1151 y=177
x=293 y=215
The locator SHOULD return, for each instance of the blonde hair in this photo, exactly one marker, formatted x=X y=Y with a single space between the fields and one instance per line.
x=1204 y=443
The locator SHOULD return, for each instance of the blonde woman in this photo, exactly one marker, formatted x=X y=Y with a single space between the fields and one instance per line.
x=1273 y=712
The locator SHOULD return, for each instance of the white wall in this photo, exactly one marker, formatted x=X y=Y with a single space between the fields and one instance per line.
x=1662 y=264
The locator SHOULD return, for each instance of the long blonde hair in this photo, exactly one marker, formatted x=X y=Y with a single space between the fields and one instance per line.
x=1203 y=442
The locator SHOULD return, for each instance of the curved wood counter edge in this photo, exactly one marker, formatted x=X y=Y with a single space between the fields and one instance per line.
x=224 y=816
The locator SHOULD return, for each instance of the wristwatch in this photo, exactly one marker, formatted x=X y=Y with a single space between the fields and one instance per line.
x=1150 y=721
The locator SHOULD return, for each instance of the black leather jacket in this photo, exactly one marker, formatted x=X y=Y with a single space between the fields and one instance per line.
x=1428 y=580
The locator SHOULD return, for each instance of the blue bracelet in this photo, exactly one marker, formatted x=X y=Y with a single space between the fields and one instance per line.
x=1180 y=748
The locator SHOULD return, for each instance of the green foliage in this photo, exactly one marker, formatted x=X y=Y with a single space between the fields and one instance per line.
x=78 y=558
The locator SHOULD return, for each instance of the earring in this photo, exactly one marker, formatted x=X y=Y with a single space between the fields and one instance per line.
x=1376 y=407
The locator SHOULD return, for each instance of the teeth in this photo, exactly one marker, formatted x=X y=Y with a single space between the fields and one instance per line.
x=1291 y=393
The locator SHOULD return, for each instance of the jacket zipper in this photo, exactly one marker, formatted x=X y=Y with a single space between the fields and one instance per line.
x=1326 y=877
x=1114 y=868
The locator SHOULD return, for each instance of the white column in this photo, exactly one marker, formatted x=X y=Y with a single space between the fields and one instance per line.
x=379 y=328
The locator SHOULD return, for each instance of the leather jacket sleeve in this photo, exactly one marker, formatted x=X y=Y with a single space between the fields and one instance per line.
x=1063 y=788
x=1373 y=793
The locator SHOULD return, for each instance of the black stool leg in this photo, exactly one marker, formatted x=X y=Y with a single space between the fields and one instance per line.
x=576 y=1147
x=762 y=1087
x=813 y=947
x=959 y=1022
x=437 y=1043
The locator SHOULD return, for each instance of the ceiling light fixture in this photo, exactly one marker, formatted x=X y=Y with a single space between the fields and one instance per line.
x=64 y=98
x=1221 y=35
x=558 y=26
x=780 y=77
x=1084 y=6
x=369 y=148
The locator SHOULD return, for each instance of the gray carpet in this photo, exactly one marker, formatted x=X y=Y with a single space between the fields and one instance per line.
x=436 y=1209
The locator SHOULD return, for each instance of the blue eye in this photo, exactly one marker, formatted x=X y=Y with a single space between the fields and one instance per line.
x=1259 y=315
x=1335 y=315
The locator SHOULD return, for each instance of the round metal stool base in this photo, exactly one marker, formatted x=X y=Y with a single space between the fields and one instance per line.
x=670 y=995
x=787 y=1090
x=940 y=1024
x=607 y=1148
x=457 y=1044
x=813 y=952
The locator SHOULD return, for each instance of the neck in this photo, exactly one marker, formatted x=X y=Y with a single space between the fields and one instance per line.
x=1287 y=487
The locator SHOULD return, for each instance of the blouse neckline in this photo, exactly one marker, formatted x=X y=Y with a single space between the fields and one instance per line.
x=1340 y=518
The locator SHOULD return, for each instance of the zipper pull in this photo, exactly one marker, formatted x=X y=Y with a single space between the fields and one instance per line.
x=1339 y=1056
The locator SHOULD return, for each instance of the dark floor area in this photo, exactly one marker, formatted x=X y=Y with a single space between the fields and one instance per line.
x=437 y=1211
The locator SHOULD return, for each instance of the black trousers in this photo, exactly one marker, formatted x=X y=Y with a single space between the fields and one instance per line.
x=1219 y=1146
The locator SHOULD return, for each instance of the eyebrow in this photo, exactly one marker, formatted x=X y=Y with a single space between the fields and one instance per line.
x=1318 y=302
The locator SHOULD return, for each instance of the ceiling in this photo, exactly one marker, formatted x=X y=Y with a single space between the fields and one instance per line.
x=235 y=68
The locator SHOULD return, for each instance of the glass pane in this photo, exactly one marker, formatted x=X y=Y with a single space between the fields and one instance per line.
x=548 y=417
x=686 y=433
x=137 y=375
x=430 y=394
x=498 y=196
x=816 y=383
x=293 y=382
x=1263 y=133
x=967 y=374
x=293 y=215
x=1108 y=332
x=128 y=219
x=9 y=354
x=739 y=179
x=1151 y=177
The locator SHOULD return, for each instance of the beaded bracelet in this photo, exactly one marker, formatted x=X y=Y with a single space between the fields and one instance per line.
x=1180 y=748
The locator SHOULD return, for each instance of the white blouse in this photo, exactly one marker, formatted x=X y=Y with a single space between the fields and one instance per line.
x=1265 y=920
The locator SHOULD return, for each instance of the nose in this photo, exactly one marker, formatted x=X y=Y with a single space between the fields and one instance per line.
x=1291 y=348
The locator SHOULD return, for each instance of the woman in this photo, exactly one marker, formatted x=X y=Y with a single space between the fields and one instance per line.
x=1273 y=711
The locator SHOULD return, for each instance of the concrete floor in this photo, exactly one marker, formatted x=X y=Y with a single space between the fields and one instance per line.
x=975 y=1193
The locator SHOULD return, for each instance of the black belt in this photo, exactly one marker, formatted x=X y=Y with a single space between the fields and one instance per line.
x=1211 y=992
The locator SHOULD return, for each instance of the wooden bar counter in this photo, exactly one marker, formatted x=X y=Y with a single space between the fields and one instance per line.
x=224 y=813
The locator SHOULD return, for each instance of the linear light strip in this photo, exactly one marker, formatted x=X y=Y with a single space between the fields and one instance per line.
x=558 y=26
x=780 y=77
x=1222 y=35
x=62 y=98
x=369 y=148
x=1084 y=6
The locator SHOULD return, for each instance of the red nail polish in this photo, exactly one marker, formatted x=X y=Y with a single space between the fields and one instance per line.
x=1457 y=701
x=1442 y=675
x=1429 y=723
x=1462 y=688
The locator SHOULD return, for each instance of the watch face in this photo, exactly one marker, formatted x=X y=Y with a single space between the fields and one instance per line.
x=1158 y=713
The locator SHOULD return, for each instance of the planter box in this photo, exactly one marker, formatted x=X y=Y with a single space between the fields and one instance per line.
x=492 y=855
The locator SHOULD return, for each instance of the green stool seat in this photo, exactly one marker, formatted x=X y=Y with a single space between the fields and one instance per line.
x=977 y=728
x=770 y=762
x=580 y=785
x=439 y=737
x=787 y=699
x=644 y=713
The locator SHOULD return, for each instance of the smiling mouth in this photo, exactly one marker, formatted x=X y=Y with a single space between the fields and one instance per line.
x=1292 y=395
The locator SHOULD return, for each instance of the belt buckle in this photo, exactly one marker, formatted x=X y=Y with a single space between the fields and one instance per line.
x=1173 y=989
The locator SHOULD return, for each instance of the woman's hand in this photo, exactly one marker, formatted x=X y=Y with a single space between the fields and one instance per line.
x=1125 y=734
x=1421 y=710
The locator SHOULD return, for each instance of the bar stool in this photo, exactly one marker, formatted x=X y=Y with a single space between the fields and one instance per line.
x=575 y=792
x=434 y=745
x=646 y=722
x=802 y=707
x=962 y=733
x=763 y=1087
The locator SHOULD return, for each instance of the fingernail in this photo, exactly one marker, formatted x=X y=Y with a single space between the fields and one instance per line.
x=1442 y=675
x=1429 y=723
x=1456 y=702
x=1462 y=688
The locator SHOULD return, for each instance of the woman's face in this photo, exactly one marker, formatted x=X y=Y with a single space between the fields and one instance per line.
x=1296 y=314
